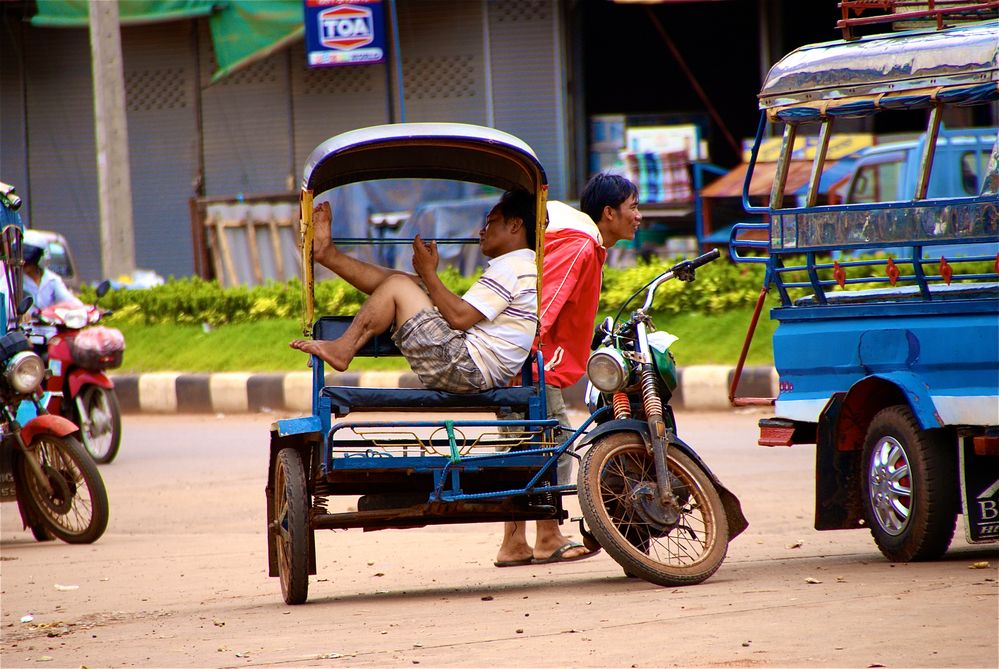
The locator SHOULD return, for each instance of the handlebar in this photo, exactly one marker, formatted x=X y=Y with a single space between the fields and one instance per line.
x=694 y=263
x=12 y=200
x=684 y=271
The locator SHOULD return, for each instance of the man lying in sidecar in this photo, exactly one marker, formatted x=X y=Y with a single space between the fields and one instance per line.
x=459 y=344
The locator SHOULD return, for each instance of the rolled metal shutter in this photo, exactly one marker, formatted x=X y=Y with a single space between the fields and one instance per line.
x=246 y=123
x=330 y=100
x=161 y=101
x=526 y=57
x=62 y=161
x=13 y=138
x=443 y=63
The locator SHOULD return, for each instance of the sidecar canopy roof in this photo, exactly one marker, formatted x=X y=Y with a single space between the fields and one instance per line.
x=455 y=151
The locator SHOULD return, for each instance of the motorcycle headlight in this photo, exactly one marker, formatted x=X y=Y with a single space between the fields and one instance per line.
x=607 y=369
x=25 y=371
x=75 y=319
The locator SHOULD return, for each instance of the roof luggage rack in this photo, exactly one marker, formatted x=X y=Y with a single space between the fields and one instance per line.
x=903 y=12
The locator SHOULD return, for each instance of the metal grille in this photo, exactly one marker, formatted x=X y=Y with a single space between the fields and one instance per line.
x=432 y=78
x=146 y=90
x=515 y=11
x=261 y=72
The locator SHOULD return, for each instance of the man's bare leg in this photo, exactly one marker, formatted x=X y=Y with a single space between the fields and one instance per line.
x=397 y=299
x=364 y=276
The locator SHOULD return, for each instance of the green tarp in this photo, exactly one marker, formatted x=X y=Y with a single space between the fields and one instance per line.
x=243 y=31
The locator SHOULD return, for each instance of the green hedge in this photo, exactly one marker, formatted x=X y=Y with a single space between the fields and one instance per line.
x=719 y=286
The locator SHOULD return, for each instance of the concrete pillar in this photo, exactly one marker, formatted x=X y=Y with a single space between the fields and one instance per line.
x=114 y=182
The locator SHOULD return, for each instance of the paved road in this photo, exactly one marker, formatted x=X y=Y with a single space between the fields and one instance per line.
x=179 y=580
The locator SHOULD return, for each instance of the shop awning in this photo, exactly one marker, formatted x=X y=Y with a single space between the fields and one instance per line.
x=243 y=31
x=730 y=185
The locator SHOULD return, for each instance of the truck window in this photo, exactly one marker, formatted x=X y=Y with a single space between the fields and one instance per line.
x=971 y=167
x=877 y=182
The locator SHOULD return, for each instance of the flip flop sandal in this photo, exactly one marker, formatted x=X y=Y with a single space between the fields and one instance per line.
x=514 y=563
x=558 y=555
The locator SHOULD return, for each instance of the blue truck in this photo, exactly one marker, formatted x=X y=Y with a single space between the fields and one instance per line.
x=887 y=343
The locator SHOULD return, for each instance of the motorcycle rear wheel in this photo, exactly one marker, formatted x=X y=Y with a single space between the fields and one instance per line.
x=96 y=412
x=77 y=509
x=616 y=487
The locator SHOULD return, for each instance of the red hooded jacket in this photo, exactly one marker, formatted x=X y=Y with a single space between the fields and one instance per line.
x=570 y=292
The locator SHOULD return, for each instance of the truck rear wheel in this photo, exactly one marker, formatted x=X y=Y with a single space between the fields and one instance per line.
x=909 y=486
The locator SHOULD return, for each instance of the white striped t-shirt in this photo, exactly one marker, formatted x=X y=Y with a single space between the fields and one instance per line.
x=507 y=295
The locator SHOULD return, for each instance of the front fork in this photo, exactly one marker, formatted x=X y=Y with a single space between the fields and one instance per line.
x=31 y=456
x=653 y=405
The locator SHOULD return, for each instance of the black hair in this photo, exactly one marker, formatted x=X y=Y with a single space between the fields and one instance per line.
x=605 y=190
x=521 y=204
x=32 y=254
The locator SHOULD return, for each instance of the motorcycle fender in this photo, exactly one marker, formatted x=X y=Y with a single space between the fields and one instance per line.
x=737 y=522
x=81 y=377
x=47 y=424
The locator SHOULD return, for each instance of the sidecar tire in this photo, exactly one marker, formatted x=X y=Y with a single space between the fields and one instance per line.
x=291 y=523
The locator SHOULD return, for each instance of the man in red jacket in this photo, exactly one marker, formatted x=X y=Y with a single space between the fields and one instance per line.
x=575 y=251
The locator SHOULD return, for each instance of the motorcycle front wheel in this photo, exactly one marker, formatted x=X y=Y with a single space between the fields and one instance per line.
x=99 y=418
x=76 y=509
x=669 y=546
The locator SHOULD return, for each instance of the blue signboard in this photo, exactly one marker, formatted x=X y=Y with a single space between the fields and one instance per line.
x=344 y=32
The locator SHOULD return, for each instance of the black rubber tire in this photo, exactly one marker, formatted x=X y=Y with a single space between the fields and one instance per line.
x=77 y=512
x=91 y=395
x=292 y=525
x=39 y=532
x=932 y=505
x=642 y=551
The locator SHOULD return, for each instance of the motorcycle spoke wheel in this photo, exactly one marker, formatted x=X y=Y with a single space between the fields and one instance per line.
x=99 y=419
x=292 y=526
x=76 y=509
x=667 y=546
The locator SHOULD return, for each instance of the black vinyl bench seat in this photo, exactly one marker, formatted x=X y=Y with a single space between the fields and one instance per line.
x=345 y=399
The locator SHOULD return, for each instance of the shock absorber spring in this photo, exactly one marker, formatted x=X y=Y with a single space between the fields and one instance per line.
x=622 y=406
x=650 y=398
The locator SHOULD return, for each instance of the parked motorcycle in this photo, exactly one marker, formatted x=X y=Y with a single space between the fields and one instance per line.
x=78 y=352
x=647 y=496
x=56 y=484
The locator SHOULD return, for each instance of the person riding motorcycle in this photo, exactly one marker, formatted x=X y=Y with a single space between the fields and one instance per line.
x=42 y=284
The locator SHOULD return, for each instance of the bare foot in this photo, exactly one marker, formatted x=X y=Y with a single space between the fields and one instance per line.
x=513 y=554
x=323 y=248
x=329 y=351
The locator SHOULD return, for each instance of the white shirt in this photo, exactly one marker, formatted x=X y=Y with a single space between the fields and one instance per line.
x=51 y=290
x=507 y=295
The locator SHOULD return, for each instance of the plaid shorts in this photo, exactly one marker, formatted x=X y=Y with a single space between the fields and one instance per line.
x=437 y=353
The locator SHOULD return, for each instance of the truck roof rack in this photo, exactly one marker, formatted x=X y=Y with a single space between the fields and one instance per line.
x=941 y=12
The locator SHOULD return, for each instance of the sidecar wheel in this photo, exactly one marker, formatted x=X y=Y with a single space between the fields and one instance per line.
x=291 y=522
x=96 y=412
x=76 y=511
x=616 y=491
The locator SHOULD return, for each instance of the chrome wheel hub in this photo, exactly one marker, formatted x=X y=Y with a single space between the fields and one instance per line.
x=890 y=485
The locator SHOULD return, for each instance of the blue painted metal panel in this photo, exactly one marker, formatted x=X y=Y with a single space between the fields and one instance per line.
x=287 y=427
x=921 y=352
